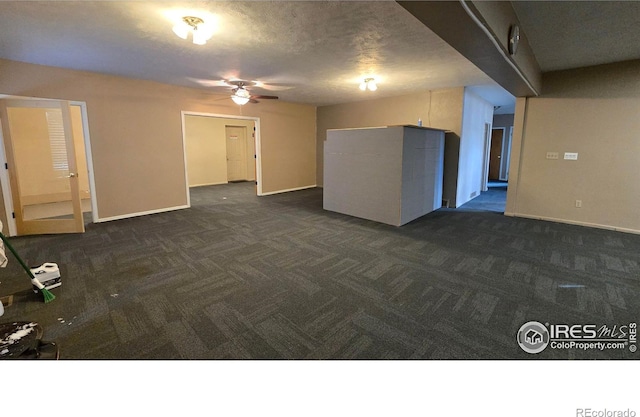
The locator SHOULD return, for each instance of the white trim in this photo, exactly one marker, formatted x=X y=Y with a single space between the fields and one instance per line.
x=506 y=145
x=257 y=139
x=504 y=132
x=290 y=189
x=88 y=157
x=6 y=190
x=573 y=222
x=488 y=133
x=207 y=184
x=142 y=213
x=184 y=156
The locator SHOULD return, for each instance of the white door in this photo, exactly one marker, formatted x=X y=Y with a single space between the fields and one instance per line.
x=236 y=153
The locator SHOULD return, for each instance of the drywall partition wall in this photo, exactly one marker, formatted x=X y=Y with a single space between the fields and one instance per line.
x=476 y=113
x=363 y=173
x=593 y=112
x=422 y=170
x=205 y=143
x=391 y=175
x=440 y=109
x=136 y=134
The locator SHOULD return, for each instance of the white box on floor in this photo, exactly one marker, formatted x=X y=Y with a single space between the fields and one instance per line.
x=48 y=274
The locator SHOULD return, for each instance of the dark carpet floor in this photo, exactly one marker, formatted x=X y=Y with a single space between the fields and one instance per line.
x=277 y=277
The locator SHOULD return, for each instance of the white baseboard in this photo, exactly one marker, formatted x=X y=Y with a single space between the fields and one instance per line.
x=207 y=184
x=290 y=189
x=577 y=223
x=143 y=213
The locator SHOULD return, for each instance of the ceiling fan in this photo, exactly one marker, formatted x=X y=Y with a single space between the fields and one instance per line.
x=240 y=95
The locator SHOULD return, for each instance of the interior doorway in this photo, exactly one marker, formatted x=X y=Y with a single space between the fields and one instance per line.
x=495 y=154
x=47 y=184
x=236 y=137
x=497 y=157
x=220 y=149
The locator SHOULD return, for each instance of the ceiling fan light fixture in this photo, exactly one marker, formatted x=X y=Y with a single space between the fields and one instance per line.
x=241 y=101
x=241 y=96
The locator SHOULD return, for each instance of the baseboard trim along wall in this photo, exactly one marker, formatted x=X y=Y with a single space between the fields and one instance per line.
x=207 y=184
x=288 y=190
x=573 y=222
x=143 y=213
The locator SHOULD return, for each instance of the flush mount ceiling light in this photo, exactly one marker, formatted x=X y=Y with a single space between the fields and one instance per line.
x=368 y=84
x=200 y=31
x=241 y=96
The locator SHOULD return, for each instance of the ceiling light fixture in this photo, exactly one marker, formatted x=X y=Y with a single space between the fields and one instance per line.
x=200 y=31
x=368 y=84
x=240 y=96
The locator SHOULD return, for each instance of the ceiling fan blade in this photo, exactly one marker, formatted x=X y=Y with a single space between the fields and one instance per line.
x=265 y=97
x=211 y=83
x=252 y=100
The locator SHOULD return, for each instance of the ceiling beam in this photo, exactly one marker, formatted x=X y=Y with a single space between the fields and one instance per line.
x=479 y=30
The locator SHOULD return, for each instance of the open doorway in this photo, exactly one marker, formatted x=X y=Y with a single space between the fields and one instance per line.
x=499 y=148
x=495 y=174
x=220 y=149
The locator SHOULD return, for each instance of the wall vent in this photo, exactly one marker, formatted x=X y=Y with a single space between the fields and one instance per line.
x=473 y=194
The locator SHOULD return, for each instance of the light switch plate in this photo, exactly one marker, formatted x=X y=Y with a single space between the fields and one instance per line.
x=573 y=156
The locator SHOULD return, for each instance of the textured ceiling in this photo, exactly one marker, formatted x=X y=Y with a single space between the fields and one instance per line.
x=312 y=52
x=574 y=34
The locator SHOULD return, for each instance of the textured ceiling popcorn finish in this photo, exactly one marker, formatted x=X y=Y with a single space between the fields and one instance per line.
x=314 y=52
x=319 y=50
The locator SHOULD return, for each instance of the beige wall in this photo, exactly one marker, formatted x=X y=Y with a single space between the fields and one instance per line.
x=205 y=141
x=595 y=112
x=136 y=134
x=440 y=109
x=456 y=110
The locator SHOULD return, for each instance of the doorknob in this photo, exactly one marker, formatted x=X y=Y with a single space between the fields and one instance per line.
x=71 y=175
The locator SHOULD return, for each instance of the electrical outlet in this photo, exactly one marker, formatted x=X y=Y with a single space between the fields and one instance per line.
x=578 y=203
x=573 y=156
x=552 y=155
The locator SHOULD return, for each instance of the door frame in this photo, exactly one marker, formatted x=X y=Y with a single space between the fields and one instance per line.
x=5 y=183
x=500 y=163
x=506 y=154
x=244 y=150
x=488 y=128
x=257 y=140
